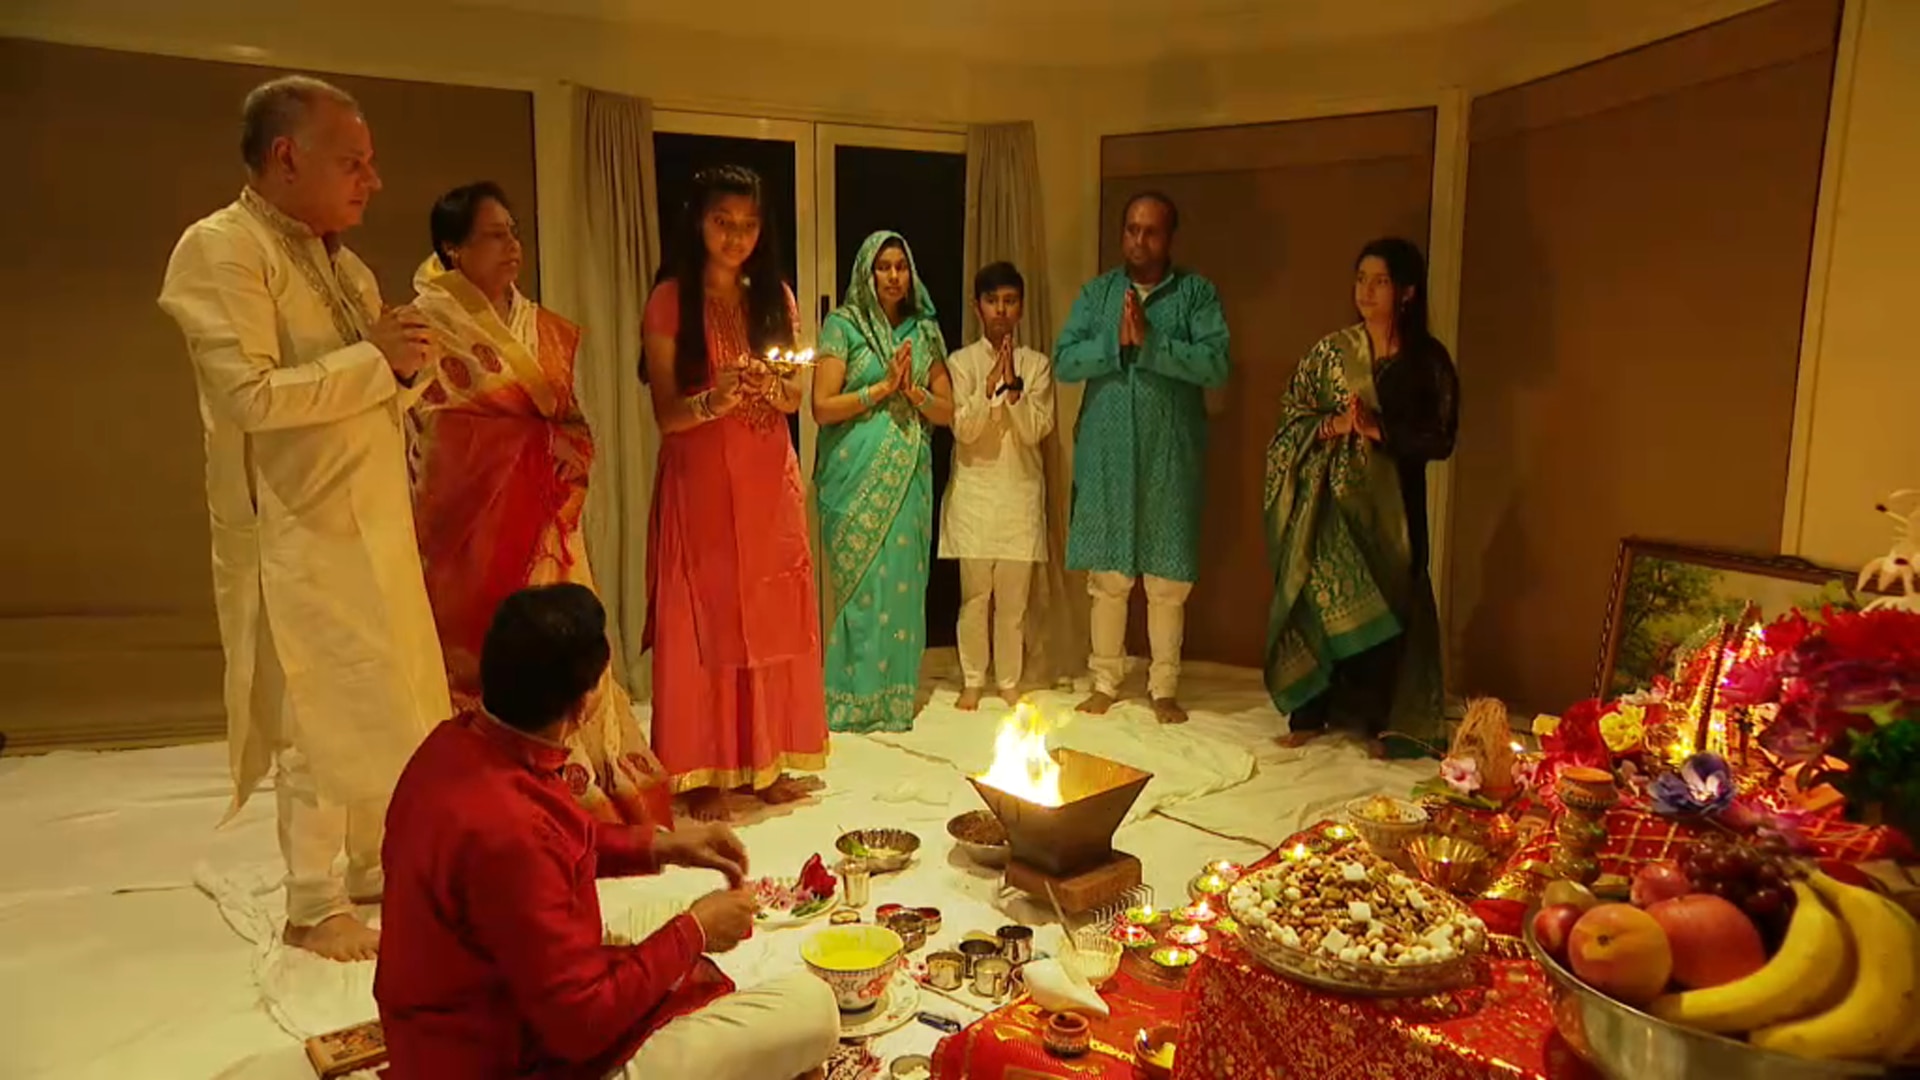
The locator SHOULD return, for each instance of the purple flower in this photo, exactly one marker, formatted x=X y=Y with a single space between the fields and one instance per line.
x=1704 y=785
x=1461 y=774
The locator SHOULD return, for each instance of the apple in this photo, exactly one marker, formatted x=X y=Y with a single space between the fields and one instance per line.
x=1569 y=892
x=1659 y=881
x=1622 y=952
x=1712 y=941
x=1552 y=926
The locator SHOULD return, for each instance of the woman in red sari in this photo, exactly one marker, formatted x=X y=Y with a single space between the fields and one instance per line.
x=732 y=617
x=499 y=451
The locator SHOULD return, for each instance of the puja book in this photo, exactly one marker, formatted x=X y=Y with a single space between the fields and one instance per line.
x=339 y=1053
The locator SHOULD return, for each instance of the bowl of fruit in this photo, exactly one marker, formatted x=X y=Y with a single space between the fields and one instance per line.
x=1741 y=964
x=795 y=901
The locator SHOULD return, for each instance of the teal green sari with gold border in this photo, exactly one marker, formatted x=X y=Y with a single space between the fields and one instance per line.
x=873 y=477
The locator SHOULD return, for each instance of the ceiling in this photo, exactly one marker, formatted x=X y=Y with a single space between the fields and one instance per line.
x=1035 y=31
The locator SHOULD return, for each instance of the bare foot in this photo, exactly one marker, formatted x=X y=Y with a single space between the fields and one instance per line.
x=1377 y=749
x=708 y=804
x=1097 y=703
x=789 y=789
x=1294 y=740
x=1010 y=695
x=1168 y=711
x=337 y=937
x=969 y=699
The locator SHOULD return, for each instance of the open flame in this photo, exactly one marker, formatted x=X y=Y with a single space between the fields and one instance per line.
x=1022 y=767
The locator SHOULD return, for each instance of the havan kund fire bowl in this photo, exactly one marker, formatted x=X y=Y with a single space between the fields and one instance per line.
x=1060 y=809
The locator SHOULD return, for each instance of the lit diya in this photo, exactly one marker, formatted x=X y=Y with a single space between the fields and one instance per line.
x=1175 y=959
x=1186 y=935
x=1199 y=913
x=1341 y=833
x=1210 y=885
x=1226 y=868
x=1146 y=915
x=1132 y=937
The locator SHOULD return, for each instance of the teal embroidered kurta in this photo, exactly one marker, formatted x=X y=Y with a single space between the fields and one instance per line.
x=1140 y=450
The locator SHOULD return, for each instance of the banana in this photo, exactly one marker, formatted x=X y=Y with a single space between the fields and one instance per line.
x=1910 y=1041
x=1809 y=974
x=1874 y=1020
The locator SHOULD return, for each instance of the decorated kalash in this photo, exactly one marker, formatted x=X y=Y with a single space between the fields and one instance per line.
x=1702 y=879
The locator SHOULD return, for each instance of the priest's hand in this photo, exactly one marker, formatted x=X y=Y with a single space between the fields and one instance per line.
x=726 y=918
x=704 y=847
x=404 y=338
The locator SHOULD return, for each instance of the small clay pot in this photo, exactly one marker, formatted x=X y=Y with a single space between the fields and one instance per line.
x=1067 y=1035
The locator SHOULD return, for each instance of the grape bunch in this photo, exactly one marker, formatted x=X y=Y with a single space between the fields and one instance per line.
x=1754 y=876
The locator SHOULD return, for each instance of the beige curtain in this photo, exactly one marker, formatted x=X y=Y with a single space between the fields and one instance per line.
x=618 y=246
x=1004 y=222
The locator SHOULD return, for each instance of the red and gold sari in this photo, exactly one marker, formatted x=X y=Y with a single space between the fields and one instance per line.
x=499 y=452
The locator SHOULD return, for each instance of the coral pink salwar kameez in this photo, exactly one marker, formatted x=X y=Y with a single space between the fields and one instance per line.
x=732 y=616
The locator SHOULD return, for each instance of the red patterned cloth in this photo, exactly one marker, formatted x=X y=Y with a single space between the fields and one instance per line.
x=1006 y=1044
x=1246 y=1023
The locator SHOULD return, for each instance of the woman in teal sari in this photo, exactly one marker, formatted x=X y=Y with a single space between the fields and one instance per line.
x=1353 y=640
x=879 y=387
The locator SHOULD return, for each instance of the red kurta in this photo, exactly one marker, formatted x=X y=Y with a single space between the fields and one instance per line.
x=491 y=956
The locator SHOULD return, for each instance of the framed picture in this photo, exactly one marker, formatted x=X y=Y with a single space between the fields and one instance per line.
x=1664 y=594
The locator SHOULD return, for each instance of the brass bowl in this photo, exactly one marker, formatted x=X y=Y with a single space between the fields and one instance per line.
x=1450 y=863
x=898 y=845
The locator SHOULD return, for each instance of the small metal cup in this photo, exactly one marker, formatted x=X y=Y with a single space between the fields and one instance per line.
x=911 y=928
x=856 y=881
x=991 y=977
x=1016 y=944
x=976 y=950
x=947 y=970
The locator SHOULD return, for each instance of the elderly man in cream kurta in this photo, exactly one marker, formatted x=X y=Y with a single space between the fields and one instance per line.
x=994 y=518
x=333 y=666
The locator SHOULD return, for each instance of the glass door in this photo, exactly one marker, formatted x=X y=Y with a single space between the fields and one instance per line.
x=914 y=183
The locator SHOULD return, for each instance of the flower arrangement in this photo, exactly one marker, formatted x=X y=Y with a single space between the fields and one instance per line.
x=1844 y=689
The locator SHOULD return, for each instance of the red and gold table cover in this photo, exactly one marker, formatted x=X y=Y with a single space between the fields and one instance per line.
x=1006 y=1044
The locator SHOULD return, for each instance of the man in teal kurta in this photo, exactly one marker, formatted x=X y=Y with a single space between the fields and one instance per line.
x=1148 y=339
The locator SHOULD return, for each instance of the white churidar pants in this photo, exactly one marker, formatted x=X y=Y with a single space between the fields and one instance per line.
x=779 y=1030
x=1166 y=630
x=1001 y=585
x=315 y=830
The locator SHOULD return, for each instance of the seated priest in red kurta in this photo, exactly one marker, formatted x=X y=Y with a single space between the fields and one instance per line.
x=493 y=961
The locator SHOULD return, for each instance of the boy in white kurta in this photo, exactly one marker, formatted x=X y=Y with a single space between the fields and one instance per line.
x=994 y=518
x=333 y=666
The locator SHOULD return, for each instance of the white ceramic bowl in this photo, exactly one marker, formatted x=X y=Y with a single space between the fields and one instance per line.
x=859 y=988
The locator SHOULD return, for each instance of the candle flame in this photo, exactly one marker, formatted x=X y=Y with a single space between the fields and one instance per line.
x=1022 y=767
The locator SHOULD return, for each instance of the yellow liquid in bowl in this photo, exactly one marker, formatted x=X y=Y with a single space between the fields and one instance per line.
x=851 y=948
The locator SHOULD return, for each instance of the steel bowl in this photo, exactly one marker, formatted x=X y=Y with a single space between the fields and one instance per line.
x=988 y=855
x=899 y=846
x=1627 y=1044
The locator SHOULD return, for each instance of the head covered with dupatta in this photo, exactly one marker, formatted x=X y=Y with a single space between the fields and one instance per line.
x=864 y=309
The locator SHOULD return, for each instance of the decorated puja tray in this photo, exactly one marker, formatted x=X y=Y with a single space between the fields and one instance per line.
x=1350 y=922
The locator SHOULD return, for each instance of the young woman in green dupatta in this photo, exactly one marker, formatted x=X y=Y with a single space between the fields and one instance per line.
x=879 y=387
x=1353 y=640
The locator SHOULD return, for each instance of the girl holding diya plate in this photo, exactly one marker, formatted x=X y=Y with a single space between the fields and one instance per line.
x=879 y=386
x=732 y=617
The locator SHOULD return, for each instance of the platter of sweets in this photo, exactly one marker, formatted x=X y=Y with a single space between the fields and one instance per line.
x=1351 y=922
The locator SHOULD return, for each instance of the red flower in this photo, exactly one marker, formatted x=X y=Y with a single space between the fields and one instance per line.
x=1577 y=741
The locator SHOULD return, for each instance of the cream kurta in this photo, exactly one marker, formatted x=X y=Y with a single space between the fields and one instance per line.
x=314 y=560
x=995 y=506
